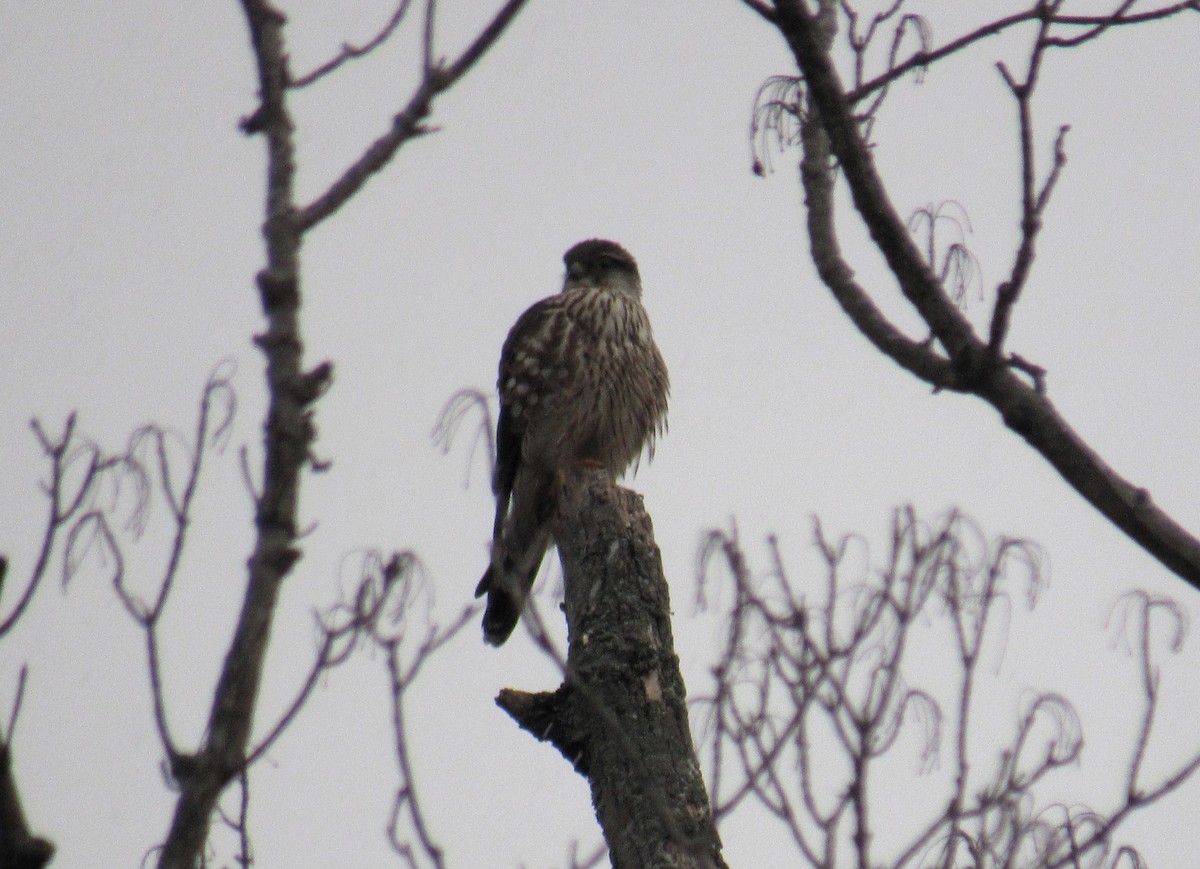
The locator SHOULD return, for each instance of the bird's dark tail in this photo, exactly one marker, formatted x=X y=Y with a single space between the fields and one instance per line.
x=503 y=608
x=507 y=586
x=518 y=547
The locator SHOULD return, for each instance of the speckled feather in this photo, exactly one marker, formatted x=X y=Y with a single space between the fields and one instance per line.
x=581 y=379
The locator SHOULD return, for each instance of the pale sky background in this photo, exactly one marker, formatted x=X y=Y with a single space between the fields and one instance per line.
x=130 y=238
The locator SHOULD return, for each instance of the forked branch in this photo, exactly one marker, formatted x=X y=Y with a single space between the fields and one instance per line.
x=813 y=689
x=967 y=362
x=351 y=52
x=1095 y=25
x=437 y=76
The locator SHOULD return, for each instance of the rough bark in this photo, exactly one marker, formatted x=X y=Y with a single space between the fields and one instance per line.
x=620 y=716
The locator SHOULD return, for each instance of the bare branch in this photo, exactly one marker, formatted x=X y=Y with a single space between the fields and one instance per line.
x=915 y=356
x=391 y=605
x=1099 y=24
x=218 y=391
x=289 y=434
x=589 y=861
x=959 y=266
x=18 y=697
x=94 y=530
x=353 y=52
x=461 y=405
x=67 y=507
x=969 y=364
x=1037 y=374
x=225 y=750
x=409 y=122
x=428 y=64
x=775 y=119
x=407 y=800
x=1033 y=201
x=922 y=60
x=825 y=678
x=240 y=824
x=860 y=45
x=1139 y=607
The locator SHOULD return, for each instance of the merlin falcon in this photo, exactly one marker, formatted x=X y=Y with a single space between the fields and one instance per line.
x=581 y=382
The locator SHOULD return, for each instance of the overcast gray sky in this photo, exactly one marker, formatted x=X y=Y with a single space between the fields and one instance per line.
x=130 y=241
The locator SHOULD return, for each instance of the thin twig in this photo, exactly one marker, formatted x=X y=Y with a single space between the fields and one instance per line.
x=63 y=509
x=925 y=59
x=1033 y=201
x=353 y=52
x=6 y=738
x=409 y=122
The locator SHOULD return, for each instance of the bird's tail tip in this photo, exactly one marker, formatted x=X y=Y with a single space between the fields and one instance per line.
x=500 y=618
x=503 y=611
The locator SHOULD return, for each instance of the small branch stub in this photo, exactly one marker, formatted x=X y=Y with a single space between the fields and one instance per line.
x=544 y=715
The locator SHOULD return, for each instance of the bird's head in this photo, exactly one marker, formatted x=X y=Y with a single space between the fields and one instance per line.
x=604 y=265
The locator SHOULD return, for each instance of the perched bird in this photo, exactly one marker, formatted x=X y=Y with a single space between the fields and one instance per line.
x=581 y=381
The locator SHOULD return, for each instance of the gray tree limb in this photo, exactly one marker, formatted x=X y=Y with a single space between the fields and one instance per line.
x=204 y=775
x=969 y=363
x=620 y=716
